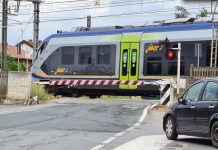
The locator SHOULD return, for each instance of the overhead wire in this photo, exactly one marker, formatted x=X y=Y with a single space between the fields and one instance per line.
x=108 y=16
x=123 y=3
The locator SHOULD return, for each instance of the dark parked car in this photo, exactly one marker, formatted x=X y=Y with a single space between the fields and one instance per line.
x=195 y=113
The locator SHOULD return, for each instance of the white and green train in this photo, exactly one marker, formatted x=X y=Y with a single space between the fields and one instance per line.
x=119 y=61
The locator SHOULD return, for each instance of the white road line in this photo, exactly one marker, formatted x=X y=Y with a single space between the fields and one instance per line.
x=137 y=125
x=120 y=134
x=153 y=106
x=111 y=139
x=98 y=147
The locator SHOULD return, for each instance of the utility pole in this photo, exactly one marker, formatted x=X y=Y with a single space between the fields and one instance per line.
x=211 y=6
x=35 y=27
x=89 y=21
x=35 y=22
x=4 y=34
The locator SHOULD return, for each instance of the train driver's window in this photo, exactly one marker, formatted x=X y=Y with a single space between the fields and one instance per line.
x=172 y=68
x=103 y=54
x=85 y=55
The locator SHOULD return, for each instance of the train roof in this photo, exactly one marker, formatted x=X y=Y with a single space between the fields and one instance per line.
x=144 y=29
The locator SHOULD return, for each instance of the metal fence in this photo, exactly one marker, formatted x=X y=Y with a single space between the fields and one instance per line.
x=203 y=72
x=3 y=84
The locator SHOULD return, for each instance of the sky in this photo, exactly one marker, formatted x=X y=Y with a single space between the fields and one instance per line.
x=67 y=15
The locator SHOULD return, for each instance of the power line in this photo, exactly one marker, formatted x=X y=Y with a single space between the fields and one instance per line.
x=107 y=16
x=25 y=28
x=124 y=3
x=72 y=10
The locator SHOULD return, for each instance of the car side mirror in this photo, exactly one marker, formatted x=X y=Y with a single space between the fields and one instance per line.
x=181 y=100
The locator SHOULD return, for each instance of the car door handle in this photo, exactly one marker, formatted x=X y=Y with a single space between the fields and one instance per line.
x=192 y=107
x=211 y=106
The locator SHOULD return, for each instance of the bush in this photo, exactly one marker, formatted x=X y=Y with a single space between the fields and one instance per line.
x=39 y=90
x=12 y=64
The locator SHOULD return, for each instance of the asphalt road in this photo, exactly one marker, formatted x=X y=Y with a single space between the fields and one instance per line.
x=69 y=124
x=150 y=136
x=77 y=124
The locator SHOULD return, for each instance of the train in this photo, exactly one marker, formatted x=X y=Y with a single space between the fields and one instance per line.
x=119 y=60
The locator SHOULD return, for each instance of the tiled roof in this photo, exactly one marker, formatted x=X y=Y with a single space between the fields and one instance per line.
x=29 y=43
x=12 y=52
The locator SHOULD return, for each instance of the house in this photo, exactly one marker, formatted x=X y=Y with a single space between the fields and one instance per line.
x=27 y=47
x=24 y=56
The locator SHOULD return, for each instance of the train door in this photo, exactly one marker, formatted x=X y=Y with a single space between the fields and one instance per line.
x=129 y=64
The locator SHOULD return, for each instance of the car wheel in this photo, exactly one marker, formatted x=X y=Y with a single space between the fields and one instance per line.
x=214 y=134
x=170 y=126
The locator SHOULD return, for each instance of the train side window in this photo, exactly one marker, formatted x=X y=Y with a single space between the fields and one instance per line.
x=133 y=62
x=103 y=54
x=125 y=62
x=154 y=66
x=85 y=55
x=67 y=56
x=172 y=68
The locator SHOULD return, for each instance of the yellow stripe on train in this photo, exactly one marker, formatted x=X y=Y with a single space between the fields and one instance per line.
x=70 y=76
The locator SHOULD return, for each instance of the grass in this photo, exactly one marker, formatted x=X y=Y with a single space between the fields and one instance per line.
x=39 y=90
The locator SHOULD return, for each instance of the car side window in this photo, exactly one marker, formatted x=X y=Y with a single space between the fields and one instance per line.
x=194 y=92
x=210 y=92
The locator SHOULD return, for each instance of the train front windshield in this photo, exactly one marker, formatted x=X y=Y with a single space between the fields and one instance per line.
x=40 y=50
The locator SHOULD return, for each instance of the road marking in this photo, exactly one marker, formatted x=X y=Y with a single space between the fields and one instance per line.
x=98 y=147
x=154 y=142
x=111 y=139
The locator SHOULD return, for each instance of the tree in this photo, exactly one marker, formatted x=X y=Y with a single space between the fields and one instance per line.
x=12 y=64
x=202 y=13
x=181 y=12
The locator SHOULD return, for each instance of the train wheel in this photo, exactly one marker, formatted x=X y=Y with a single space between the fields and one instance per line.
x=92 y=97
x=76 y=95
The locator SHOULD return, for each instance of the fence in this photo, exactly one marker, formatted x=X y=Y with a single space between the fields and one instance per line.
x=3 y=84
x=203 y=72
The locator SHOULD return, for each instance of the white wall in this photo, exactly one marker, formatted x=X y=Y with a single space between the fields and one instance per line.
x=19 y=85
x=28 y=50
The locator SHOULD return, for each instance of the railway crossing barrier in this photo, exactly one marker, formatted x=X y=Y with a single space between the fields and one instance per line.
x=166 y=86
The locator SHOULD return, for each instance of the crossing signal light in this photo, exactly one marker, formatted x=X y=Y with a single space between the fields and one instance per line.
x=170 y=54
